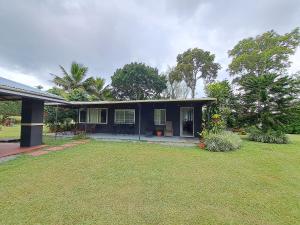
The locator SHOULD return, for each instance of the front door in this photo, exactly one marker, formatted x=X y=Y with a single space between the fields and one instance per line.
x=187 y=121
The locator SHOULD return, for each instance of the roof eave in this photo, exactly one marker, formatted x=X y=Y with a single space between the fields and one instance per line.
x=21 y=93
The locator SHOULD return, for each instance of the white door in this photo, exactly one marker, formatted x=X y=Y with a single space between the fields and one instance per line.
x=187 y=121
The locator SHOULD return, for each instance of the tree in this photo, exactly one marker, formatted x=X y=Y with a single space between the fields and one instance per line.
x=265 y=54
x=74 y=79
x=9 y=108
x=225 y=103
x=194 y=64
x=137 y=81
x=266 y=90
x=99 y=91
x=176 y=89
x=75 y=83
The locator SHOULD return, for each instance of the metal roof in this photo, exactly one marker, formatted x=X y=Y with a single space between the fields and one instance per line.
x=79 y=103
x=11 y=90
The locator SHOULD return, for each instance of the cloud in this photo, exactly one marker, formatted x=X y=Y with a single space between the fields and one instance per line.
x=37 y=36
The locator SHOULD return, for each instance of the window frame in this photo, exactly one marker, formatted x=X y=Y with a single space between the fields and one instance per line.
x=160 y=124
x=98 y=115
x=124 y=122
x=86 y=115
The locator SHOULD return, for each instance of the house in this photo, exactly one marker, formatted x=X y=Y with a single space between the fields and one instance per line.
x=144 y=117
x=32 y=111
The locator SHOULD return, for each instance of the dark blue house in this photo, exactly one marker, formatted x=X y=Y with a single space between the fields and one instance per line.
x=146 y=117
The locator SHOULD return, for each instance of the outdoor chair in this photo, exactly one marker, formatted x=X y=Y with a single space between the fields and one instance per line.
x=169 y=129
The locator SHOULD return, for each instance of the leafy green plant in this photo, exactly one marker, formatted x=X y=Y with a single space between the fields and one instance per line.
x=222 y=142
x=271 y=136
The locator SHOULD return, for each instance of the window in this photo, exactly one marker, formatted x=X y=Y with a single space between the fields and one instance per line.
x=103 y=116
x=124 y=116
x=82 y=116
x=159 y=116
x=93 y=115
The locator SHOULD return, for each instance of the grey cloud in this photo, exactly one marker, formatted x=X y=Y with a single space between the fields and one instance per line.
x=37 y=36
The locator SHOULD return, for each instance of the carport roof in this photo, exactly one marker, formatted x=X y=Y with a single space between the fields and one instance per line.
x=11 y=90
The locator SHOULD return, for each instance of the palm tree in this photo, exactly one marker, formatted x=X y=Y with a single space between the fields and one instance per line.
x=75 y=79
x=99 y=91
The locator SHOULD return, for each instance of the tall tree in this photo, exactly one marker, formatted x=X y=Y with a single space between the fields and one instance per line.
x=176 y=88
x=259 y=66
x=137 y=81
x=75 y=79
x=194 y=64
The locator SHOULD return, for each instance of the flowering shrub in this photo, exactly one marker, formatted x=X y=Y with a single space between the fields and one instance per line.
x=222 y=142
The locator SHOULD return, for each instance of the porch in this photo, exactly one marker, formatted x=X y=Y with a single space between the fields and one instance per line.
x=135 y=137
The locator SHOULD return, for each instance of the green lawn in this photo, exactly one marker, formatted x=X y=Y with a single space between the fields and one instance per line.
x=14 y=132
x=10 y=132
x=142 y=183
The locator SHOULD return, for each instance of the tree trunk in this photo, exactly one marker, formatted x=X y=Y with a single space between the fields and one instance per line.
x=193 y=91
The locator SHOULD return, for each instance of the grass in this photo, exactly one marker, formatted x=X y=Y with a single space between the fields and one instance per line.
x=14 y=132
x=142 y=183
x=10 y=132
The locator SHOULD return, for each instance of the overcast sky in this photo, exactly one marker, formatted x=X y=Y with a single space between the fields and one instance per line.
x=38 y=35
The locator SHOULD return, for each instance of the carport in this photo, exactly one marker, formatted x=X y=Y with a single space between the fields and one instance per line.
x=32 y=111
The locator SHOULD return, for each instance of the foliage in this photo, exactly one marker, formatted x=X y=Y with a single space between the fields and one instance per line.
x=9 y=108
x=137 y=81
x=216 y=124
x=225 y=104
x=292 y=120
x=266 y=92
x=265 y=54
x=194 y=64
x=75 y=85
x=99 y=91
x=78 y=94
x=222 y=142
x=59 y=119
x=74 y=79
x=276 y=137
x=176 y=89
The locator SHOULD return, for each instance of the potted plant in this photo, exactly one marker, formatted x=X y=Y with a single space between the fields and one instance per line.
x=201 y=144
x=158 y=132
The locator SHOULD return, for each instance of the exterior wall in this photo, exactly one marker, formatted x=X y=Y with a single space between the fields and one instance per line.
x=32 y=122
x=147 y=118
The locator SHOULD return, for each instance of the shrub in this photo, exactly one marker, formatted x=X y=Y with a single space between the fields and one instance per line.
x=222 y=142
x=271 y=136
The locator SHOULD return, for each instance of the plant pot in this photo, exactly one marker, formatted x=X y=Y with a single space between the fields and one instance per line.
x=158 y=133
x=201 y=145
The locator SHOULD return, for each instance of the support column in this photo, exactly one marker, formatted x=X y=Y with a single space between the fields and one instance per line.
x=32 y=122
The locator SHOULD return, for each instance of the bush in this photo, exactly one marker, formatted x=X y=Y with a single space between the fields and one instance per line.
x=222 y=142
x=276 y=137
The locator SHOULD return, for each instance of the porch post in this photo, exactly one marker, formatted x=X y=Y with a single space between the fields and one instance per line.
x=86 y=118
x=32 y=122
x=56 y=114
x=140 y=106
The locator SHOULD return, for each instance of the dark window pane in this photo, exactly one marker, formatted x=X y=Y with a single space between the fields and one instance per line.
x=103 y=115
x=82 y=116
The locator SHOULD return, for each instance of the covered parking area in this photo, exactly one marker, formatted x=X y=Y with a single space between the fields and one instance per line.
x=32 y=110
